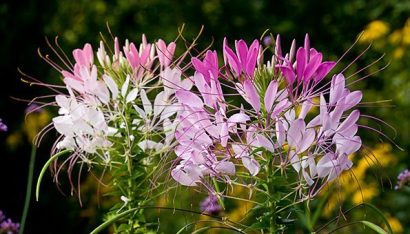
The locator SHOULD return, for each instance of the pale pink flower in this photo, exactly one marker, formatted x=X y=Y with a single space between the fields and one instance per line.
x=165 y=53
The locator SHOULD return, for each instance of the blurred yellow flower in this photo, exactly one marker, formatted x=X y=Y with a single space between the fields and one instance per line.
x=398 y=53
x=365 y=193
x=395 y=225
x=406 y=33
x=14 y=140
x=396 y=37
x=374 y=30
x=35 y=122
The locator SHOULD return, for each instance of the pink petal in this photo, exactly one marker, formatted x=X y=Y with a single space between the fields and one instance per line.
x=278 y=48
x=306 y=106
x=251 y=58
x=352 y=99
x=308 y=139
x=295 y=134
x=323 y=70
x=200 y=67
x=307 y=42
x=231 y=59
x=251 y=164
x=270 y=95
x=349 y=121
x=300 y=63
x=241 y=51
x=265 y=143
x=312 y=66
x=224 y=135
x=225 y=167
x=288 y=73
x=348 y=145
x=252 y=95
x=238 y=118
x=294 y=160
x=189 y=99
x=281 y=106
x=190 y=177
x=280 y=132
x=336 y=88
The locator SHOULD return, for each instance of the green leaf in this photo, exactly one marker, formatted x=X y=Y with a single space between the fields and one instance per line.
x=374 y=227
x=381 y=216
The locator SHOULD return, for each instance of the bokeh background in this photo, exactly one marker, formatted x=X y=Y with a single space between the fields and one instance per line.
x=333 y=27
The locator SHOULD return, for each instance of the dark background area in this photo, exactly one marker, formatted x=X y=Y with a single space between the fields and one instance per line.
x=332 y=25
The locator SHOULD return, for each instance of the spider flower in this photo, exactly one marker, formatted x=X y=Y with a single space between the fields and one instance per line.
x=216 y=138
x=118 y=115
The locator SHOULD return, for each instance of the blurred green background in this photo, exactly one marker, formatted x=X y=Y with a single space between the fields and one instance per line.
x=333 y=27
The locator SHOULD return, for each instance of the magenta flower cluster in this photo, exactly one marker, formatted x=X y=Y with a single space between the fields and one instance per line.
x=403 y=179
x=7 y=226
x=287 y=113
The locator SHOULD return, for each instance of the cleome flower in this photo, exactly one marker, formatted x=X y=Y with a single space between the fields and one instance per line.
x=126 y=102
x=215 y=137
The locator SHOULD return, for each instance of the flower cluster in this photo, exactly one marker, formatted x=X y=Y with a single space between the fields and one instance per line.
x=403 y=179
x=7 y=226
x=127 y=95
x=210 y=205
x=274 y=125
x=236 y=121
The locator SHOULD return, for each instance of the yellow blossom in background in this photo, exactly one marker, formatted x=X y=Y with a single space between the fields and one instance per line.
x=374 y=30
x=396 y=37
x=365 y=193
x=395 y=225
x=14 y=140
x=406 y=33
x=398 y=53
x=35 y=122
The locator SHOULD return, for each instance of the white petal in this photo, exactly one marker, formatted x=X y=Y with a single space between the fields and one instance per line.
x=124 y=87
x=132 y=95
x=159 y=103
x=112 y=86
x=146 y=103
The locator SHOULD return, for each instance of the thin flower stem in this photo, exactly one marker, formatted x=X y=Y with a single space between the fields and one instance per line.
x=272 y=204
x=29 y=188
x=221 y=202
x=43 y=170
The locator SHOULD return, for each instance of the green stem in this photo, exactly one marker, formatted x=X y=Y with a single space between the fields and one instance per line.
x=43 y=170
x=272 y=203
x=130 y=193
x=29 y=188
x=112 y=220
x=220 y=201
